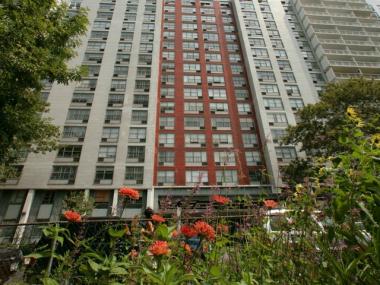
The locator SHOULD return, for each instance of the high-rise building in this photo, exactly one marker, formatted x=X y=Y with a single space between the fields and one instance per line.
x=187 y=98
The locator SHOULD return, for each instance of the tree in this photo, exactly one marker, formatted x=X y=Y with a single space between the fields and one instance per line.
x=37 y=40
x=321 y=125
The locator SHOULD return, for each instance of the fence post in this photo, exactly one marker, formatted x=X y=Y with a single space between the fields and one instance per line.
x=19 y=233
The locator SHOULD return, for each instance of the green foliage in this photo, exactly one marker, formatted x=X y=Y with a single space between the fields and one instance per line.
x=37 y=40
x=77 y=201
x=321 y=124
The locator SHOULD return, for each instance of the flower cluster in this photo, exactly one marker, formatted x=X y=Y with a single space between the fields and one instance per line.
x=129 y=192
x=72 y=216
x=188 y=231
x=353 y=115
x=203 y=229
x=158 y=219
x=270 y=204
x=159 y=247
x=220 y=199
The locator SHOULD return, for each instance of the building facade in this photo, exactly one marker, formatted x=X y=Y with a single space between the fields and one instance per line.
x=186 y=98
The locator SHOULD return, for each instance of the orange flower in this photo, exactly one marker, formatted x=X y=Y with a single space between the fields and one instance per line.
x=222 y=229
x=205 y=230
x=220 y=199
x=175 y=234
x=188 y=231
x=129 y=192
x=158 y=218
x=159 y=247
x=270 y=204
x=187 y=248
x=72 y=216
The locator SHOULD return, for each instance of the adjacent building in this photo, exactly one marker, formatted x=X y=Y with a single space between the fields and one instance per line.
x=187 y=98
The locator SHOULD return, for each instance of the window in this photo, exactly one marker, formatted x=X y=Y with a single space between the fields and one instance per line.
x=189 y=45
x=292 y=90
x=271 y=89
x=276 y=43
x=192 y=79
x=246 y=123
x=263 y=63
x=277 y=118
x=252 y=158
x=192 y=92
x=142 y=85
x=191 y=139
x=136 y=152
x=167 y=92
x=239 y=81
x=210 y=37
x=140 y=100
x=213 y=57
x=277 y=134
x=221 y=123
x=226 y=176
x=167 y=107
x=82 y=98
x=61 y=172
x=273 y=104
x=284 y=65
x=167 y=140
x=196 y=177
x=195 y=157
x=211 y=47
x=188 y=26
x=260 y=52
x=236 y=69
x=193 y=107
x=250 y=140
x=232 y=47
x=208 y=19
x=89 y=84
x=218 y=107
x=235 y=58
x=217 y=93
x=244 y=108
x=288 y=77
x=144 y=59
x=107 y=153
x=194 y=122
x=296 y=104
x=214 y=68
x=168 y=45
x=215 y=80
x=103 y=175
x=222 y=139
x=99 y=35
x=189 y=36
x=191 y=67
x=96 y=46
x=113 y=115
x=110 y=134
x=122 y=57
x=167 y=122
x=139 y=116
x=143 y=72
x=134 y=173
x=78 y=115
x=286 y=153
x=166 y=157
x=191 y=56
x=266 y=76
x=115 y=99
x=224 y=158
x=70 y=151
x=128 y=26
x=125 y=47
x=126 y=36
x=279 y=53
x=165 y=177
x=168 y=55
x=119 y=85
x=121 y=71
x=137 y=135
x=74 y=132
x=257 y=42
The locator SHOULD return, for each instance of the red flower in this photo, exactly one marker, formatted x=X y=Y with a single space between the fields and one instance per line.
x=158 y=218
x=175 y=234
x=188 y=231
x=205 y=230
x=72 y=216
x=187 y=248
x=159 y=247
x=220 y=199
x=129 y=192
x=270 y=204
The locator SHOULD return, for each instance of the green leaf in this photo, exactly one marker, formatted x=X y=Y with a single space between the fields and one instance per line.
x=94 y=266
x=116 y=233
x=49 y=281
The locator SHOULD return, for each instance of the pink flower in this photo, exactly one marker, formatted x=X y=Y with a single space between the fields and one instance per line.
x=270 y=204
x=158 y=218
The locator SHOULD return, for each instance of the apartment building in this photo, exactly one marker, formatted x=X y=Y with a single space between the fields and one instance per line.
x=186 y=98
